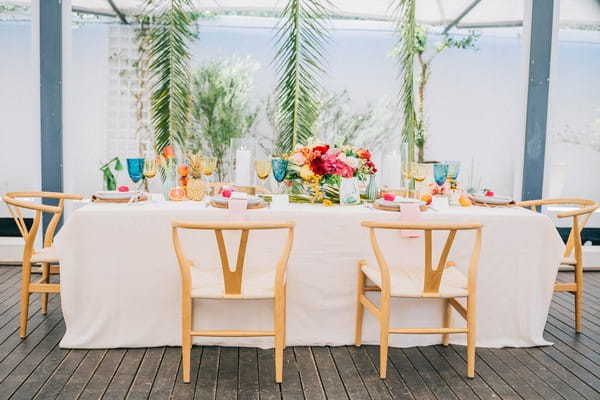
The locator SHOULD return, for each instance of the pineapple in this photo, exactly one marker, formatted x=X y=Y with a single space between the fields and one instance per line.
x=195 y=187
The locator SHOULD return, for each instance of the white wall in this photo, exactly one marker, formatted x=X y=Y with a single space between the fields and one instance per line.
x=19 y=144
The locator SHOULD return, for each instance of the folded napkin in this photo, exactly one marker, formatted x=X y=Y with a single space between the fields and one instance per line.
x=139 y=196
x=237 y=210
x=410 y=212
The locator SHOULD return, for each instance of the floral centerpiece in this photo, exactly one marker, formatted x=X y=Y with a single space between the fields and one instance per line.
x=167 y=162
x=319 y=169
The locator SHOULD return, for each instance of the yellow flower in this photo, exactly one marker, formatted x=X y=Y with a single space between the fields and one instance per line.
x=305 y=172
x=327 y=203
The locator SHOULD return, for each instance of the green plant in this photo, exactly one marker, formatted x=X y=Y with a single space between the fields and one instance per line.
x=300 y=42
x=405 y=53
x=169 y=36
x=220 y=109
x=420 y=48
x=110 y=182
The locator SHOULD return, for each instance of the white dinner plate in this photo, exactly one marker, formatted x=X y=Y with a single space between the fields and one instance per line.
x=398 y=204
x=495 y=200
x=115 y=195
x=252 y=200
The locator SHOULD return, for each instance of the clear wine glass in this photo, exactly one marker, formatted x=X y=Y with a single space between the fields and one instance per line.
x=453 y=170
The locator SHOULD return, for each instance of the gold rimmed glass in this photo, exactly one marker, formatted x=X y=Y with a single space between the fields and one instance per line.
x=419 y=173
x=263 y=170
x=208 y=165
x=150 y=170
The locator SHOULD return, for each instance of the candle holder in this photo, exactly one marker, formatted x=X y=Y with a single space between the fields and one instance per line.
x=241 y=161
x=394 y=167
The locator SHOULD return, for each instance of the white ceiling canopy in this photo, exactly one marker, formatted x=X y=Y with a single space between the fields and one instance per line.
x=459 y=13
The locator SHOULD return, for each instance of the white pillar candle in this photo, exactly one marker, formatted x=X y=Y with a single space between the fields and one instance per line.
x=392 y=168
x=242 y=167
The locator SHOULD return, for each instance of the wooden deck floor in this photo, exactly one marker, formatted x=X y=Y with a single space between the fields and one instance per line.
x=38 y=368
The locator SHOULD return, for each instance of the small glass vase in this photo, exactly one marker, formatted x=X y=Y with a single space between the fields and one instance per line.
x=372 y=189
x=169 y=181
x=453 y=197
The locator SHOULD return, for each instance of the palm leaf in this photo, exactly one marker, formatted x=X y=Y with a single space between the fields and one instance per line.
x=405 y=17
x=169 y=38
x=300 y=42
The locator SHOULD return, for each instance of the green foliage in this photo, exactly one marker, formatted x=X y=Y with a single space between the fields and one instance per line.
x=110 y=182
x=169 y=37
x=300 y=42
x=370 y=128
x=405 y=52
x=220 y=109
x=420 y=49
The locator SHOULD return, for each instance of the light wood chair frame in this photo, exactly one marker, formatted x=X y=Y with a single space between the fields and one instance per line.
x=233 y=285
x=431 y=284
x=14 y=203
x=573 y=246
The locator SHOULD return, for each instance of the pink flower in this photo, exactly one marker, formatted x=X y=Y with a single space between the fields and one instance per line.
x=436 y=189
x=298 y=158
x=343 y=169
x=334 y=152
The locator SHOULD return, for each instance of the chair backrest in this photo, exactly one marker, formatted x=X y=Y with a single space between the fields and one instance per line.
x=15 y=203
x=232 y=279
x=581 y=216
x=432 y=276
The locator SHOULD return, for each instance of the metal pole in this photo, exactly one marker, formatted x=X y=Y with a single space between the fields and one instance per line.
x=51 y=122
x=537 y=98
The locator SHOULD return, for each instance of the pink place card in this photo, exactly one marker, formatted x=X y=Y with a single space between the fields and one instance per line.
x=237 y=210
x=410 y=212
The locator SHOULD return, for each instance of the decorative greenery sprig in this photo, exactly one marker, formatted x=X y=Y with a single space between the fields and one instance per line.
x=169 y=37
x=300 y=42
x=110 y=182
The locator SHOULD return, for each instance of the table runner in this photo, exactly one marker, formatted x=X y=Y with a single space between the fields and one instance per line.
x=120 y=283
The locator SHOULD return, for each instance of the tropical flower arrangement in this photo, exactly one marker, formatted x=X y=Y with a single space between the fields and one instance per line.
x=167 y=159
x=318 y=169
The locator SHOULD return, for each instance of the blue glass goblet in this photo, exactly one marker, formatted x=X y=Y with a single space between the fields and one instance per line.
x=440 y=173
x=135 y=169
x=279 y=169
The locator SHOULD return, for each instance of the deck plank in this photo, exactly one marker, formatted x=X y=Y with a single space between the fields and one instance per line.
x=37 y=367
x=124 y=374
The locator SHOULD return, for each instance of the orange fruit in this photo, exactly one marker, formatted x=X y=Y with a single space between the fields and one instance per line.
x=183 y=180
x=427 y=198
x=176 y=194
x=464 y=201
x=183 y=170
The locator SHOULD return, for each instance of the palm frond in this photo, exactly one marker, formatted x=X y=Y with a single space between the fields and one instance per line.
x=300 y=41
x=405 y=48
x=169 y=38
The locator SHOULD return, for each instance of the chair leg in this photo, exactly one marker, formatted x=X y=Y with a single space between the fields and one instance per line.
x=25 y=281
x=279 y=338
x=384 y=324
x=284 y=315
x=578 y=297
x=359 y=307
x=470 y=337
x=186 y=338
x=447 y=321
x=45 y=279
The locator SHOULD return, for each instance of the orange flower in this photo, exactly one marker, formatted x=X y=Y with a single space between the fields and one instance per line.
x=169 y=152
x=363 y=153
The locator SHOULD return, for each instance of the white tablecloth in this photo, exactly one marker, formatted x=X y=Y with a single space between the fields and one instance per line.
x=121 y=284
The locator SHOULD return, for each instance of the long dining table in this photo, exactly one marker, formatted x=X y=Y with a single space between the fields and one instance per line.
x=121 y=286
